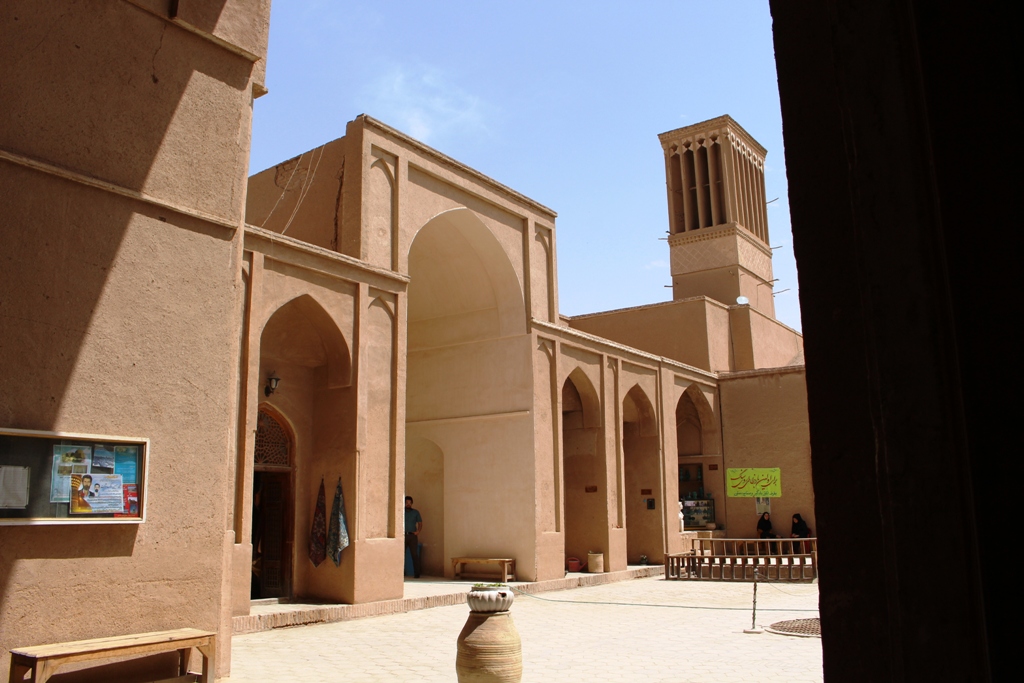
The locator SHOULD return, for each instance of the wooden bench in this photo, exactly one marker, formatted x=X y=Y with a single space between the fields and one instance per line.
x=506 y=565
x=44 y=660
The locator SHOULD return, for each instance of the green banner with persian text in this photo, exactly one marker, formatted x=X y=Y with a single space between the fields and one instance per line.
x=754 y=482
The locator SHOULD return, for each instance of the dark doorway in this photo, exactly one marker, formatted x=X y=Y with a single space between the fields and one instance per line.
x=271 y=511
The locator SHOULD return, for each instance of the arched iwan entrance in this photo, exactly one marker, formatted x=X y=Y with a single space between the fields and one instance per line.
x=312 y=403
x=585 y=493
x=644 y=516
x=468 y=392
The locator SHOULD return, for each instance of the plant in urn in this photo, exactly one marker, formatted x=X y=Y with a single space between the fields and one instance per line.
x=489 y=649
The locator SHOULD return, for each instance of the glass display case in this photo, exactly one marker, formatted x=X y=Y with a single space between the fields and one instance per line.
x=691 y=480
x=61 y=478
x=698 y=513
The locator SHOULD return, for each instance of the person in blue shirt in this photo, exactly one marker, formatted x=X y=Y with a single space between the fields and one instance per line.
x=413 y=526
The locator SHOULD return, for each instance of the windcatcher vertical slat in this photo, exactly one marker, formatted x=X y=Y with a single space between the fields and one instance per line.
x=718 y=222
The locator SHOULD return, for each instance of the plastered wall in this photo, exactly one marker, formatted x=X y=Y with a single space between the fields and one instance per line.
x=764 y=424
x=301 y=197
x=760 y=341
x=676 y=330
x=124 y=163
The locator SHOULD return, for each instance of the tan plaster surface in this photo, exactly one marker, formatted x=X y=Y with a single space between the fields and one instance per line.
x=764 y=416
x=562 y=640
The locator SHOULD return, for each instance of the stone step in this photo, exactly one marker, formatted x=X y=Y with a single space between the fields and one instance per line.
x=303 y=614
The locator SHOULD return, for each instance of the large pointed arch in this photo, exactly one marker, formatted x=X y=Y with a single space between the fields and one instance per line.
x=463 y=286
x=467 y=356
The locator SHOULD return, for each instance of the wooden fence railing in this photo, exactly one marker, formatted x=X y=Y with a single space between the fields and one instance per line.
x=736 y=559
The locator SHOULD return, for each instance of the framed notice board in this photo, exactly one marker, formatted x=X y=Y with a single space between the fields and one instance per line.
x=60 y=478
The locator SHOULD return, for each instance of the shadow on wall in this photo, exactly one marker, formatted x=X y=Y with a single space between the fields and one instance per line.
x=53 y=114
x=87 y=330
x=424 y=481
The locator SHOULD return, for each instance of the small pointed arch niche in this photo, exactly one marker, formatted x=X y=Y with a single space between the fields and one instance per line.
x=638 y=410
x=579 y=395
x=644 y=501
x=583 y=468
x=302 y=332
x=696 y=432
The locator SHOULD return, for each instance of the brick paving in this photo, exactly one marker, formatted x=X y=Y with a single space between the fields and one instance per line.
x=574 y=640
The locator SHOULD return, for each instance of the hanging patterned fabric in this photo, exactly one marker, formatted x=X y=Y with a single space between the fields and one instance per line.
x=337 y=538
x=318 y=532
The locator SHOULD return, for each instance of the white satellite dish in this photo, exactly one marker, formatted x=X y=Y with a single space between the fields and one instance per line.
x=742 y=300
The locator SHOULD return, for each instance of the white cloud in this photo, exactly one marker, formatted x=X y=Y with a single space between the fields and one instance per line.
x=423 y=102
x=656 y=265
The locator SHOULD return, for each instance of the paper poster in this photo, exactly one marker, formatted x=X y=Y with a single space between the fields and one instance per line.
x=96 y=493
x=67 y=461
x=126 y=463
x=102 y=460
x=14 y=487
x=131 y=500
x=754 y=482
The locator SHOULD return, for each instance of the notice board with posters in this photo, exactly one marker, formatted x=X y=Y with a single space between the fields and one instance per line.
x=61 y=478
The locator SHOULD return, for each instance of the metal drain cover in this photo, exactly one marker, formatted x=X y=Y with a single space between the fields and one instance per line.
x=802 y=628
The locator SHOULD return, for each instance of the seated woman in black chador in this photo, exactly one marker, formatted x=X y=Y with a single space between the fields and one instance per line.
x=764 y=527
x=800 y=528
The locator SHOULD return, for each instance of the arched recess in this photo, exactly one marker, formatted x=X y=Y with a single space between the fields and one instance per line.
x=380 y=213
x=708 y=422
x=468 y=371
x=696 y=438
x=689 y=433
x=291 y=333
x=644 y=516
x=301 y=345
x=583 y=466
x=424 y=481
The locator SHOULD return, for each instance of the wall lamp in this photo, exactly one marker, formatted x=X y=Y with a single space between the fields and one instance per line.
x=272 y=382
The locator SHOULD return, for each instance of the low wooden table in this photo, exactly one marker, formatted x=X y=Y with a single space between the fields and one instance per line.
x=507 y=565
x=44 y=660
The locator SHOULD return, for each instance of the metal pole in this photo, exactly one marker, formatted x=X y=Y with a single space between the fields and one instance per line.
x=753 y=616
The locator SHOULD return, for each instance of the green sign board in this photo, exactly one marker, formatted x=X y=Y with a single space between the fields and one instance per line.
x=754 y=482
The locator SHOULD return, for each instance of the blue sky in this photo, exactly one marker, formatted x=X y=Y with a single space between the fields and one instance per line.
x=562 y=101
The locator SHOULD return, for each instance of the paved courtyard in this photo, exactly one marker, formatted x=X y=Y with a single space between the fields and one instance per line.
x=579 y=635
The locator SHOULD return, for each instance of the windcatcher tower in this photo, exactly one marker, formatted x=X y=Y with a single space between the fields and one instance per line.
x=718 y=235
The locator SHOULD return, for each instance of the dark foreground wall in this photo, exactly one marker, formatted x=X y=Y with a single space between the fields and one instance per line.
x=904 y=232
